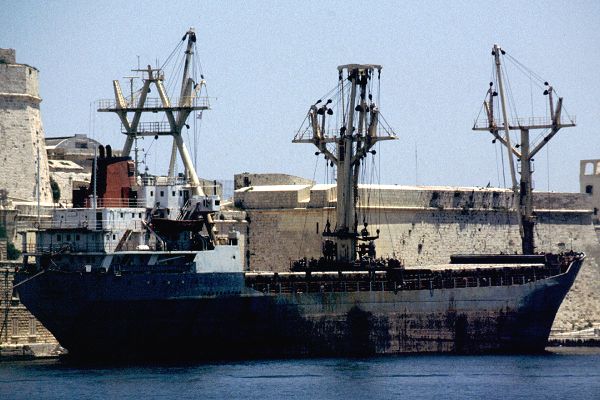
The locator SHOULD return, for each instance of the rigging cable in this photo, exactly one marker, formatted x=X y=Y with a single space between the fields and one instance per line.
x=304 y=233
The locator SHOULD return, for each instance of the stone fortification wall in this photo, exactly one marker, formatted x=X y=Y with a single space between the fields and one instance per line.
x=17 y=326
x=427 y=225
x=21 y=132
x=248 y=179
x=257 y=197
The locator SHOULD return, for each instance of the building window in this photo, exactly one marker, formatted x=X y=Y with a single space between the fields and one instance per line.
x=589 y=189
x=77 y=237
x=121 y=215
x=114 y=237
x=152 y=193
x=140 y=215
x=15 y=326
x=173 y=193
x=32 y=326
x=132 y=215
x=59 y=238
x=68 y=238
x=180 y=193
x=162 y=193
x=589 y=169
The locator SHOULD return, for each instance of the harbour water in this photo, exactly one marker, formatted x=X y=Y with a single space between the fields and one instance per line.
x=562 y=373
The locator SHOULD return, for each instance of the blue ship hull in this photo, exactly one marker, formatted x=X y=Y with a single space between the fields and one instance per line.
x=217 y=315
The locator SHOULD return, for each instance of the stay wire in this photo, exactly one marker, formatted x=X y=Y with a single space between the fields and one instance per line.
x=304 y=233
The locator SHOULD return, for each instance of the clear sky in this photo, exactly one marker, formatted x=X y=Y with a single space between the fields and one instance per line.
x=267 y=61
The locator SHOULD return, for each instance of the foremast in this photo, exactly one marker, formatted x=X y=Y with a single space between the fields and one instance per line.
x=524 y=188
x=350 y=145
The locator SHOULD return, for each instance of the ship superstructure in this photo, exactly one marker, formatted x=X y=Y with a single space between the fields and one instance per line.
x=158 y=279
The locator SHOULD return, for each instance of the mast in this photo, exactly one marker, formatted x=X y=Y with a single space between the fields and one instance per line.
x=353 y=142
x=185 y=94
x=525 y=156
x=37 y=184
x=176 y=116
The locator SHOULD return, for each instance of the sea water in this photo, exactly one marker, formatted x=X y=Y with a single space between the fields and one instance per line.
x=560 y=374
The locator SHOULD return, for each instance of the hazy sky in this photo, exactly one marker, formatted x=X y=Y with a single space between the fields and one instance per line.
x=266 y=62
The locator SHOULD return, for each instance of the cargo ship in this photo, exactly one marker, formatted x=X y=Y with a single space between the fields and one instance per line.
x=137 y=269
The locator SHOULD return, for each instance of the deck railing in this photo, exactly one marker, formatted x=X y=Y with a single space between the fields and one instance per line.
x=520 y=276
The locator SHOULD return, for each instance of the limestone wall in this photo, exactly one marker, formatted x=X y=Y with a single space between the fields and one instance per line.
x=17 y=325
x=21 y=133
x=427 y=225
x=248 y=179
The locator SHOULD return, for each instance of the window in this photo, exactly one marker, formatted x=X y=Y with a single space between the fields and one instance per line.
x=162 y=193
x=59 y=238
x=173 y=193
x=589 y=169
x=180 y=193
x=114 y=237
x=132 y=215
x=15 y=326
x=77 y=237
x=589 y=189
x=32 y=326
x=140 y=215
x=121 y=215
x=68 y=238
x=152 y=193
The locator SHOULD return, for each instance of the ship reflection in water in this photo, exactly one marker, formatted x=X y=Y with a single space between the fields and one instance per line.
x=565 y=374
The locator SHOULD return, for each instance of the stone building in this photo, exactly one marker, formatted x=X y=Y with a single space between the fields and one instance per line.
x=21 y=335
x=70 y=160
x=21 y=132
x=589 y=183
x=78 y=149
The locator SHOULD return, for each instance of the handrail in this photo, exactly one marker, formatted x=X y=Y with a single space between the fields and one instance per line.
x=156 y=103
x=516 y=122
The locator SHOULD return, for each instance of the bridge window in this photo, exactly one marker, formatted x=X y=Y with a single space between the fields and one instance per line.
x=589 y=189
